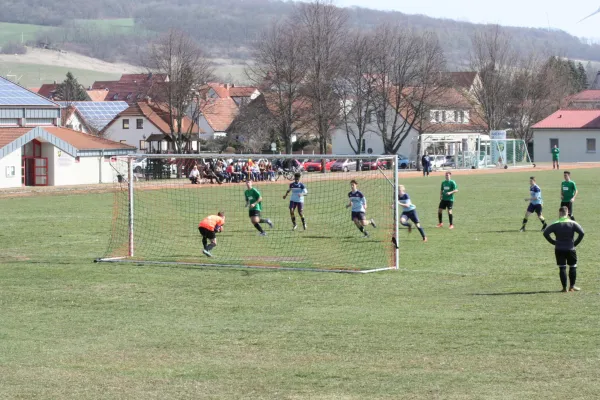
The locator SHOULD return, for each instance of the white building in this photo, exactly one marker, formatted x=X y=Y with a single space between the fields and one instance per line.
x=575 y=132
x=36 y=151
x=145 y=125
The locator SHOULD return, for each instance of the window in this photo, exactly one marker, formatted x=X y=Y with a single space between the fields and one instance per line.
x=462 y=117
x=125 y=124
x=443 y=116
x=590 y=145
x=143 y=145
x=455 y=116
x=139 y=123
x=437 y=116
x=553 y=142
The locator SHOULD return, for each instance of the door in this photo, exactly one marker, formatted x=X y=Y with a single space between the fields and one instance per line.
x=35 y=171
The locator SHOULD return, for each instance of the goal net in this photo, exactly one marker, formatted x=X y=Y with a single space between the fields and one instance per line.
x=157 y=211
x=503 y=152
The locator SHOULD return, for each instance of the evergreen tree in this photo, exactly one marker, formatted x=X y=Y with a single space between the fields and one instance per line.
x=70 y=90
x=583 y=81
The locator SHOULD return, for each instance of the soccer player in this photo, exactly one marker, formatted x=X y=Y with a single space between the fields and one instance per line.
x=253 y=201
x=358 y=202
x=535 y=204
x=409 y=212
x=564 y=247
x=208 y=228
x=568 y=192
x=555 y=154
x=447 y=191
x=297 y=199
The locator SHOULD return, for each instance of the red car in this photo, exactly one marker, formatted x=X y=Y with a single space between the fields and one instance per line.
x=315 y=165
x=373 y=164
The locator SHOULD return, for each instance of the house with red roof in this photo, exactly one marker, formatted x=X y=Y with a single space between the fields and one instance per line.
x=575 y=132
x=586 y=99
x=132 y=88
x=216 y=115
x=35 y=150
x=145 y=125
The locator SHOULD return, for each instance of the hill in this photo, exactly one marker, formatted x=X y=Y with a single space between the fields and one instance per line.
x=228 y=28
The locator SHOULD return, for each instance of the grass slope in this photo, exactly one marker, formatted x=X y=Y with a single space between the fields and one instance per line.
x=474 y=314
x=10 y=32
x=34 y=75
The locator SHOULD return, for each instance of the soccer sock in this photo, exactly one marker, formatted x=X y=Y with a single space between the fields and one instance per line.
x=421 y=231
x=263 y=220
x=303 y=221
x=572 y=274
x=258 y=227
x=210 y=246
x=204 y=241
x=294 y=220
x=524 y=222
x=361 y=228
x=440 y=217
x=542 y=220
x=450 y=218
x=563 y=275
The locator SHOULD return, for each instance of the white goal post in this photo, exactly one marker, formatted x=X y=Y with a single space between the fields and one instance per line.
x=158 y=207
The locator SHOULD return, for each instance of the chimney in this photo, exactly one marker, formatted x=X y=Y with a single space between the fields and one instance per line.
x=559 y=115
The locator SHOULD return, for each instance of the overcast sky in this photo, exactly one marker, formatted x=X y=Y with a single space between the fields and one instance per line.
x=528 y=13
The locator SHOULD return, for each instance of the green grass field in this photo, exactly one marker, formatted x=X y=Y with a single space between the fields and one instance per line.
x=16 y=33
x=475 y=313
x=34 y=75
x=116 y=25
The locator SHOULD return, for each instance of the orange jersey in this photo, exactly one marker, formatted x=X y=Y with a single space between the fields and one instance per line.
x=211 y=221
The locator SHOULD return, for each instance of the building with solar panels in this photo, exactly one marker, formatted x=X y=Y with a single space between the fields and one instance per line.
x=35 y=150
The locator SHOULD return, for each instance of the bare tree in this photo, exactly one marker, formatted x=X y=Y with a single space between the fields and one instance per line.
x=322 y=29
x=178 y=57
x=494 y=58
x=255 y=127
x=357 y=88
x=278 y=67
x=409 y=69
x=531 y=97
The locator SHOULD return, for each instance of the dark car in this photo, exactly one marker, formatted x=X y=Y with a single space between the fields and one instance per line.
x=373 y=165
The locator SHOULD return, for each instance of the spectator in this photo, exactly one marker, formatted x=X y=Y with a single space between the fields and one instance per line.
x=194 y=175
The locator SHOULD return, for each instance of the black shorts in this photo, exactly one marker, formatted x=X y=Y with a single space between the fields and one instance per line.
x=254 y=213
x=446 y=204
x=566 y=257
x=207 y=233
x=412 y=215
x=569 y=205
x=359 y=215
x=535 y=208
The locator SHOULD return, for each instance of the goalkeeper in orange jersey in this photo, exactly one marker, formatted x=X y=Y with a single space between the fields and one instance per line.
x=208 y=228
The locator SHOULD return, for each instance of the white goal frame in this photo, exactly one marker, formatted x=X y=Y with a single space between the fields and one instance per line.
x=128 y=177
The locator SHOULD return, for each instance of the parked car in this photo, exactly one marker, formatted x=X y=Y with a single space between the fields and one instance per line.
x=343 y=165
x=404 y=162
x=315 y=165
x=450 y=162
x=437 y=161
x=373 y=165
x=139 y=165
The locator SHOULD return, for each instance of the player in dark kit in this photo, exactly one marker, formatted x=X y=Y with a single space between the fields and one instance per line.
x=358 y=202
x=568 y=192
x=254 y=202
x=564 y=247
x=447 y=191
x=297 y=199
x=535 y=204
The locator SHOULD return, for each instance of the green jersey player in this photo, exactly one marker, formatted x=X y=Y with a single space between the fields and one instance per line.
x=447 y=191
x=568 y=192
x=254 y=202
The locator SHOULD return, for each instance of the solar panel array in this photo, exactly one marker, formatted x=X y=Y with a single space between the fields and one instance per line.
x=98 y=113
x=14 y=95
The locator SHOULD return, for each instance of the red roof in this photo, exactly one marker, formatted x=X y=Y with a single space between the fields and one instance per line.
x=586 y=95
x=571 y=119
x=9 y=135
x=132 y=88
x=79 y=140
x=97 y=95
x=219 y=113
x=157 y=114
x=83 y=141
x=463 y=79
x=47 y=90
x=224 y=90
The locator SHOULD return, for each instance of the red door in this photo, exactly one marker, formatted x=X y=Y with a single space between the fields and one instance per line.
x=35 y=171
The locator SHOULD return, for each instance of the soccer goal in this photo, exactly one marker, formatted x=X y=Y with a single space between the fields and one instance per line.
x=158 y=207
x=504 y=153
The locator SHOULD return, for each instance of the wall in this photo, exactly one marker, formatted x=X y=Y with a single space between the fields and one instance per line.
x=131 y=136
x=70 y=171
x=572 y=145
x=11 y=160
x=340 y=145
